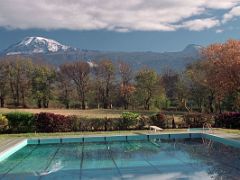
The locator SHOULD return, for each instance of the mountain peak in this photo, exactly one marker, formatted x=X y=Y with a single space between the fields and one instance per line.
x=192 y=48
x=33 y=45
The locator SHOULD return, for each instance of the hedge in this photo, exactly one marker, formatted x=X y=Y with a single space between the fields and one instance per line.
x=21 y=122
x=228 y=120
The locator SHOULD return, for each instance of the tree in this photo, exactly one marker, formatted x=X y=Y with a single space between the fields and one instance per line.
x=147 y=84
x=126 y=86
x=64 y=87
x=199 y=90
x=78 y=72
x=43 y=78
x=19 y=71
x=3 y=82
x=223 y=69
x=105 y=76
x=170 y=80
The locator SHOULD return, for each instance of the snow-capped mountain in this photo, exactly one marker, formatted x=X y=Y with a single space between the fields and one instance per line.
x=34 y=45
x=55 y=53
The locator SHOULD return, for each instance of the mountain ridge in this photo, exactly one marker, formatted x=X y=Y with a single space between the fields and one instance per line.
x=56 y=53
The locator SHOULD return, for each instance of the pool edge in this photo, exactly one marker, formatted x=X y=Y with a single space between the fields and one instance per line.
x=12 y=149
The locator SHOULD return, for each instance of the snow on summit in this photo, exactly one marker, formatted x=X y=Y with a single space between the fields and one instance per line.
x=32 y=45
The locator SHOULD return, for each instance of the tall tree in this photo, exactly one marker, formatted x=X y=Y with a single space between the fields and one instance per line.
x=223 y=69
x=43 y=78
x=147 y=84
x=64 y=87
x=3 y=82
x=105 y=76
x=19 y=71
x=126 y=86
x=78 y=72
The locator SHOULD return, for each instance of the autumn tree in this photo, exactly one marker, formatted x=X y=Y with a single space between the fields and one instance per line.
x=126 y=86
x=78 y=72
x=222 y=67
x=147 y=84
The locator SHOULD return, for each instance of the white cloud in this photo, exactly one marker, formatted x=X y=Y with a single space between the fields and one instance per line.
x=221 y=4
x=234 y=12
x=115 y=15
x=219 y=31
x=200 y=24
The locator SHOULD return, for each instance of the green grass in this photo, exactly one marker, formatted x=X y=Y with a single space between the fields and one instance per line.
x=89 y=113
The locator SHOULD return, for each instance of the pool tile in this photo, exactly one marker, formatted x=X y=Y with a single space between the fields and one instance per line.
x=50 y=141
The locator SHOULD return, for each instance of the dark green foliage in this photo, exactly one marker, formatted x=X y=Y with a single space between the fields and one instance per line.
x=21 y=122
x=95 y=124
x=128 y=120
x=228 y=120
x=159 y=120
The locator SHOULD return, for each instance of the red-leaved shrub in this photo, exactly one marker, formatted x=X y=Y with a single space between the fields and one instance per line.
x=50 y=122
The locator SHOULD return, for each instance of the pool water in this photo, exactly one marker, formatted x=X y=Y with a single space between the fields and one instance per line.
x=154 y=159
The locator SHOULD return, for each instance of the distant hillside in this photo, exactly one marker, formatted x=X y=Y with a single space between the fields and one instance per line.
x=55 y=53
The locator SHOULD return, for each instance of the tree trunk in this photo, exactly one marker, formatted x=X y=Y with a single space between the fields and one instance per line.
x=39 y=103
x=83 y=104
x=219 y=107
x=1 y=102
x=210 y=101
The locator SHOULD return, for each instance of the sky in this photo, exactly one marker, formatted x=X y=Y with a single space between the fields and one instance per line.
x=114 y=25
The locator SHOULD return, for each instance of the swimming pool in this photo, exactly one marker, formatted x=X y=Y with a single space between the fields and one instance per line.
x=168 y=156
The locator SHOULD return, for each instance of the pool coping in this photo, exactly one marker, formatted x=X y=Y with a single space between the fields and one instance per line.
x=110 y=138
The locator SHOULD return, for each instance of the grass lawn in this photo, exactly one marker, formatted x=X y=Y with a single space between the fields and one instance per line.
x=90 y=113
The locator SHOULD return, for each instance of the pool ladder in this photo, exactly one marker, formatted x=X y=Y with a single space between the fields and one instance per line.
x=207 y=127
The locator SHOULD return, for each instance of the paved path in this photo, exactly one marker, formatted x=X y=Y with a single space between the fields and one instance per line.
x=228 y=135
x=7 y=143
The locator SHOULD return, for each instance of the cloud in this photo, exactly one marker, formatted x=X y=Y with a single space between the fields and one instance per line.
x=234 y=12
x=114 y=15
x=200 y=24
x=218 y=31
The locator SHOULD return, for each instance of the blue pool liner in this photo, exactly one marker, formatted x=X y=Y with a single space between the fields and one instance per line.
x=5 y=154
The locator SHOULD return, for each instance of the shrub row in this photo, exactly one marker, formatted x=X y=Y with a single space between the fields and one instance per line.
x=19 y=122
x=228 y=120
x=197 y=120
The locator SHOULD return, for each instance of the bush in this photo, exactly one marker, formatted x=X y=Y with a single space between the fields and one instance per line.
x=21 y=122
x=50 y=122
x=196 y=120
x=128 y=120
x=94 y=124
x=159 y=120
x=3 y=123
x=228 y=120
x=143 y=122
